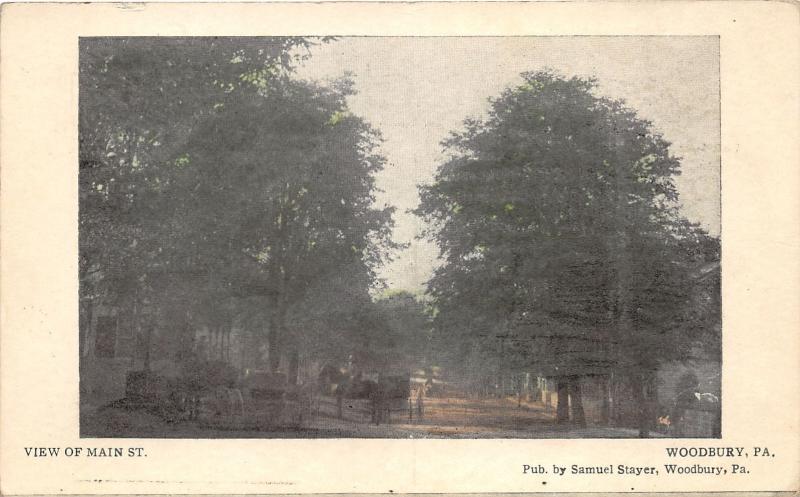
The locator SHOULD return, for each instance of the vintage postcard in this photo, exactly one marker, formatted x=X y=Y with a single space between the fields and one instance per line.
x=399 y=248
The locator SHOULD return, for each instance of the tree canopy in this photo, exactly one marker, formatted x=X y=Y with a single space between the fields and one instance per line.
x=558 y=221
x=216 y=185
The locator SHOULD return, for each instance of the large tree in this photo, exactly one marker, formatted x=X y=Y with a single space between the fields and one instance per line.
x=558 y=220
x=139 y=100
x=214 y=185
x=277 y=200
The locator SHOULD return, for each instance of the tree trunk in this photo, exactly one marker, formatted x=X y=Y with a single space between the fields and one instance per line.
x=277 y=325
x=221 y=333
x=225 y=331
x=148 y=337
x=226 y=343
x=651 y=400
x=85 y=333
x=222 y=336
x=605 y=406
x=243 y=346
x=574 y=388
x=294 y=367
x=274 y=358
x=642 y=405
x=562 y=409
x=185 y=339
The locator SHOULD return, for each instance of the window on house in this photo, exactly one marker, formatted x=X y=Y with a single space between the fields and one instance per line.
x=105 y=336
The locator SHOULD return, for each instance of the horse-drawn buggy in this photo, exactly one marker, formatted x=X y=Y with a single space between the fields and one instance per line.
x=392 y=395
x=374 y=396
x=212 y=394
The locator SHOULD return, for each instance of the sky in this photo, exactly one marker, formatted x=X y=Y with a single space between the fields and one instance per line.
x=416 y=90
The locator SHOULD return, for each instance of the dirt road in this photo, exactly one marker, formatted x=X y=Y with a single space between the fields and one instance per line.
x=442 y=418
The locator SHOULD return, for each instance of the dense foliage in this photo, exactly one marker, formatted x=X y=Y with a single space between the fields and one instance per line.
x=217 y=187
x=557 y=218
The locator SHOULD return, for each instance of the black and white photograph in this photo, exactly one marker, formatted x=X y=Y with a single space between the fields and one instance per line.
x=451 y=237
